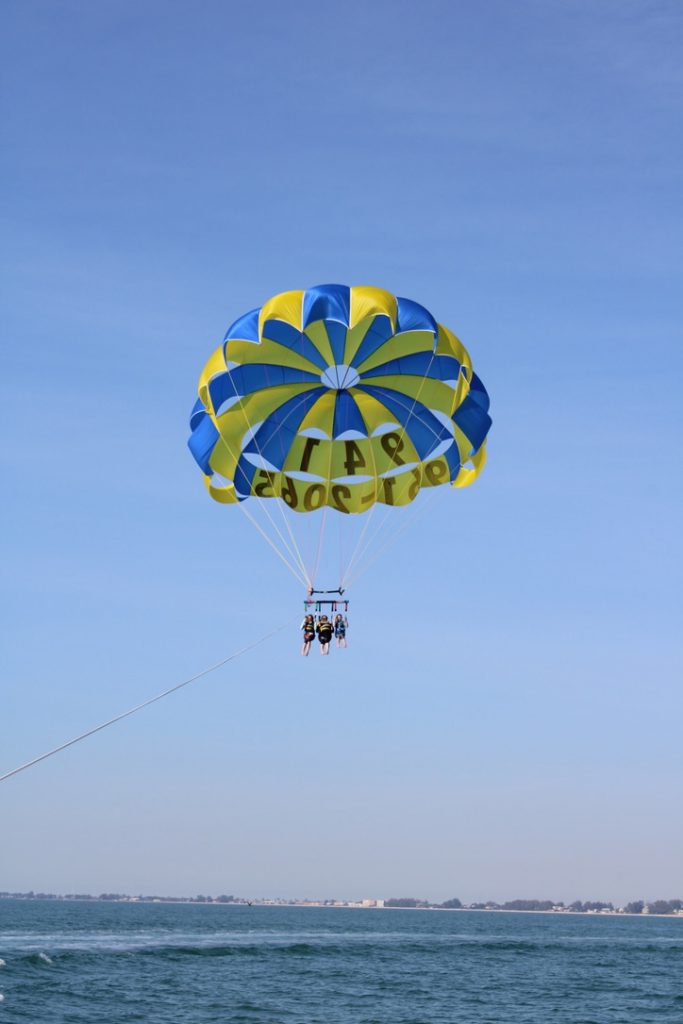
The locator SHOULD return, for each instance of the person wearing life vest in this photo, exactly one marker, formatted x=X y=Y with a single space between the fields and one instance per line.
x=324 y=631
x=341 y=624
x=308 y=627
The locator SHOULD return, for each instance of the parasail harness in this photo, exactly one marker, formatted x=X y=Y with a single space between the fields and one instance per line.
x=316 y=604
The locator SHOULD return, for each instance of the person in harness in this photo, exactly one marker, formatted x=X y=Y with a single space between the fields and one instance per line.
x=324 y=631
x=341 y=624
x=308 y=627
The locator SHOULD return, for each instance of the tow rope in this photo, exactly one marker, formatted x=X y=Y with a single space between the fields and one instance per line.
x=145 y=704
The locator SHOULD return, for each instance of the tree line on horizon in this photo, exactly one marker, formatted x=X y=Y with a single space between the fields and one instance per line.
x=577 y=907
x=408 y=902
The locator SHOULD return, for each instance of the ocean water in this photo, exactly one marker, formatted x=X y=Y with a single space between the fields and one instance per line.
x=85 y=963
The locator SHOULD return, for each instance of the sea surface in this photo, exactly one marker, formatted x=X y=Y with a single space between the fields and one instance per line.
x=198 y=964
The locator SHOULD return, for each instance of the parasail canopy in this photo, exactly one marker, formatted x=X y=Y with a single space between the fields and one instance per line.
x=338 y=396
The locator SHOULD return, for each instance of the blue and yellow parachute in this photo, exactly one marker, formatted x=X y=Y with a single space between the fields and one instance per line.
x=338 y=396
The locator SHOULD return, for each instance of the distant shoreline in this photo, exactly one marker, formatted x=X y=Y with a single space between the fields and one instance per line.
x=314 y=905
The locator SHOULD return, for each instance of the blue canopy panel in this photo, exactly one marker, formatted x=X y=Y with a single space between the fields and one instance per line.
x=419 y=364
x=245 y=328
x=201 y=443
x=336 y=332
x=452 y=457
x=289 y=337
x=423 y=428
x=380 y=330
x=411 y=316
x=473 y=421
x=274 y=437
x=246 y=379
x=347 y=415
x=327 y=302
x=479 y=393
x=197 y=414
x=244 y=476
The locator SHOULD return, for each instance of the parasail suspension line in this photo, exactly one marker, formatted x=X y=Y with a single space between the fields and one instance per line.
x=257 y=526
x=418 y=513
x=366 y=526
x=358 y=551
x=389 y=542
x=297 y=552
x=323 y=520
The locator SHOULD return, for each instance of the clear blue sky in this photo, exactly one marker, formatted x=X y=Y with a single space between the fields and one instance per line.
x=507 y=719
